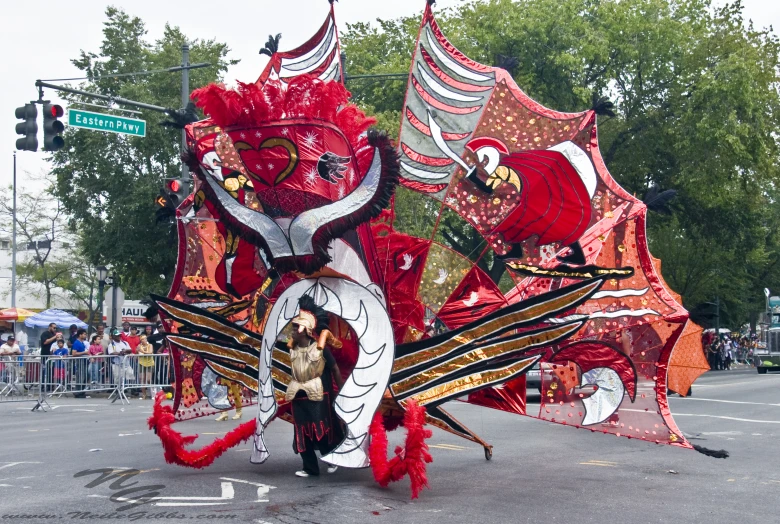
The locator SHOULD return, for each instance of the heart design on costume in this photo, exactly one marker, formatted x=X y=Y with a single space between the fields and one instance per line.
x=273 y=160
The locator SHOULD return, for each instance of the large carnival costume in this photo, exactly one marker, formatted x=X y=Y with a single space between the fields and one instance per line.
x=293 y=201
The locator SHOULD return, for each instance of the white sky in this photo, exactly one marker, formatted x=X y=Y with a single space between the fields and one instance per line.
x=244 y=26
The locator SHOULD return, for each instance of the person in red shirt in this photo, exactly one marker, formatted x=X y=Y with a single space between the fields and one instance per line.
x=132 y=339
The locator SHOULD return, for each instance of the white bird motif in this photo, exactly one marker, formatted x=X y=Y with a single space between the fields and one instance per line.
x=473 y=297
x=443 y=274
x=407 y=262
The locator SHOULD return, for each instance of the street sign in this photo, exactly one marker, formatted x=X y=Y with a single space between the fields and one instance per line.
x=102 y=122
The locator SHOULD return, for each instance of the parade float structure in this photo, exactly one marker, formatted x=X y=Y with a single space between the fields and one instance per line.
x=295 y=195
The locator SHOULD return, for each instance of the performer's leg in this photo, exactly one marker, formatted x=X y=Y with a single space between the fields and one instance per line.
x=235 y=392
x=309 y=455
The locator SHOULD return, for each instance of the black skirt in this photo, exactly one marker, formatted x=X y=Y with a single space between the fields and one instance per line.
x=316 y=423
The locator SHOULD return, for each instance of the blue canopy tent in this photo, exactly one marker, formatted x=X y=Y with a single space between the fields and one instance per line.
x=62 y=319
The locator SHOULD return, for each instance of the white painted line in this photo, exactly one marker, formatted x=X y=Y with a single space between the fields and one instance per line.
x=262 y=489
x=724 y=401
x=227 y=494
x=727 y=418
x=9 y=464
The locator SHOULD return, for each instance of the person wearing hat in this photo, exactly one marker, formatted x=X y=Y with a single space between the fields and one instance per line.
x=7 y=352
x=310 y=391
x=118 y=348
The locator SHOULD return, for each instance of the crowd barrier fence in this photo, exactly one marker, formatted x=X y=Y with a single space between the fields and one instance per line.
x=35 y=378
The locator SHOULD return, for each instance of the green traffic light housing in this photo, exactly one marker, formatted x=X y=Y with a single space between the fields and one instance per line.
x=52 y=128
x=28 y=128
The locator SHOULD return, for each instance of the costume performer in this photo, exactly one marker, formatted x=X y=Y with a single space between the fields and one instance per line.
x=311 y=388
x=234 y=390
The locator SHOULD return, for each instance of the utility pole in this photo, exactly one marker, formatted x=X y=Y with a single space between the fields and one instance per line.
x=185 y=98
x=13 y=244
x=717 y=316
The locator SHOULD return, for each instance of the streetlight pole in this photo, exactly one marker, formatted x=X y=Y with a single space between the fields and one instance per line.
x=102 y=273
x=185 y=99
x=114 y=296
x=13 y=244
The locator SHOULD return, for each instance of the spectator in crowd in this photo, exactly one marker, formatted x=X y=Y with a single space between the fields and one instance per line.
x=103 y=337
x=118 y=348
x=145 y=364
x=7 y=352
x=21 y=339
x=148 y=330
x=60 y=351
x=79 y=350
x=95 y=349
x=47 y=339
x=72 y=335
x=125 y=329
x=132 y=338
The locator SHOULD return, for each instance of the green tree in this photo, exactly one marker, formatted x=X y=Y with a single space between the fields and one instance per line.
x=107 y=182
x=697 y=109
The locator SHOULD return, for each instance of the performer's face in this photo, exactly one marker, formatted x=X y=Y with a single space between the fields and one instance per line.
x=299 y=334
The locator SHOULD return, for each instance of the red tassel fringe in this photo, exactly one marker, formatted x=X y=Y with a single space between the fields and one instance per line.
x=410 y=460
x=305 y=97
x=174 y=442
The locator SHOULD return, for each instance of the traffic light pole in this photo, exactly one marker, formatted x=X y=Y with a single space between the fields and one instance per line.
x=185 y=98
x=13 y=244
x=117 y=99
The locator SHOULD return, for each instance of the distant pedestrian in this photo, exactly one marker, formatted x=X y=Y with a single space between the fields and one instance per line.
x=103 y=337
x=95 y=364
x=8 y=351
x=60 y=352
x=132 y=338
x=79 y=352
x=145 y=364
x=118 y=348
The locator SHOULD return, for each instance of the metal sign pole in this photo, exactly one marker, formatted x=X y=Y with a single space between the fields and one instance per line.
x=185 y=98
x=13 y=245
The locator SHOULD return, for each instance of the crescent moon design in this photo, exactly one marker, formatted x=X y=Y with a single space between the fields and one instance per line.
x=290 y=147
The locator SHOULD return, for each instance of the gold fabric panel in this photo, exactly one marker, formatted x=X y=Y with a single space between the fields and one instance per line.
x=204 y=321
x=483 y=353
x=529 y=313
x=235 y=376
x=470 y=382
x=210 y=348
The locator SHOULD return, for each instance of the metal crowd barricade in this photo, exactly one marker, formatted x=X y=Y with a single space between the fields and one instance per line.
x=146 y=374
x=33 y=378
x=20 y=379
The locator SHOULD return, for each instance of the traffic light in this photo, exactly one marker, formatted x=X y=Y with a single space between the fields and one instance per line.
x=176 y=191
x=52 y=128
x=28 y=128
x=169 y=199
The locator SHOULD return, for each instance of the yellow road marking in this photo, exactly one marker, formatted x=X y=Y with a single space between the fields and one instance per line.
x=602 y=463
x=450 y=447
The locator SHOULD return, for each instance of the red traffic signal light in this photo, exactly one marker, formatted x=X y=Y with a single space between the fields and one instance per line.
x=174 y=186
x=52 y=128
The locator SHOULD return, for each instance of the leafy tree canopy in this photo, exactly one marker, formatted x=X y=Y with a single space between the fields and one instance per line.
x=695 y=89
x=107 y=182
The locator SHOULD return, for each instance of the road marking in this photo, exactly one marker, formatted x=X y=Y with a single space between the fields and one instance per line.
x=451 y=447
x=727 y=418
x=130 y=434
x=228 y=493
x=726 y=401
x=86 y=410
x=746 y=382
x=262 y=489
x=223 y=433
x=602 y=463
x=9 y=464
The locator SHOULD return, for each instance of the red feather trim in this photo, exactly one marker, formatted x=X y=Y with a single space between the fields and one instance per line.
x=410 y=460
x=304 y=97
x=174 y=442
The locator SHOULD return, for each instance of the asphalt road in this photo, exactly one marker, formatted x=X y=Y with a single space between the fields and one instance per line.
x=540 y=472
